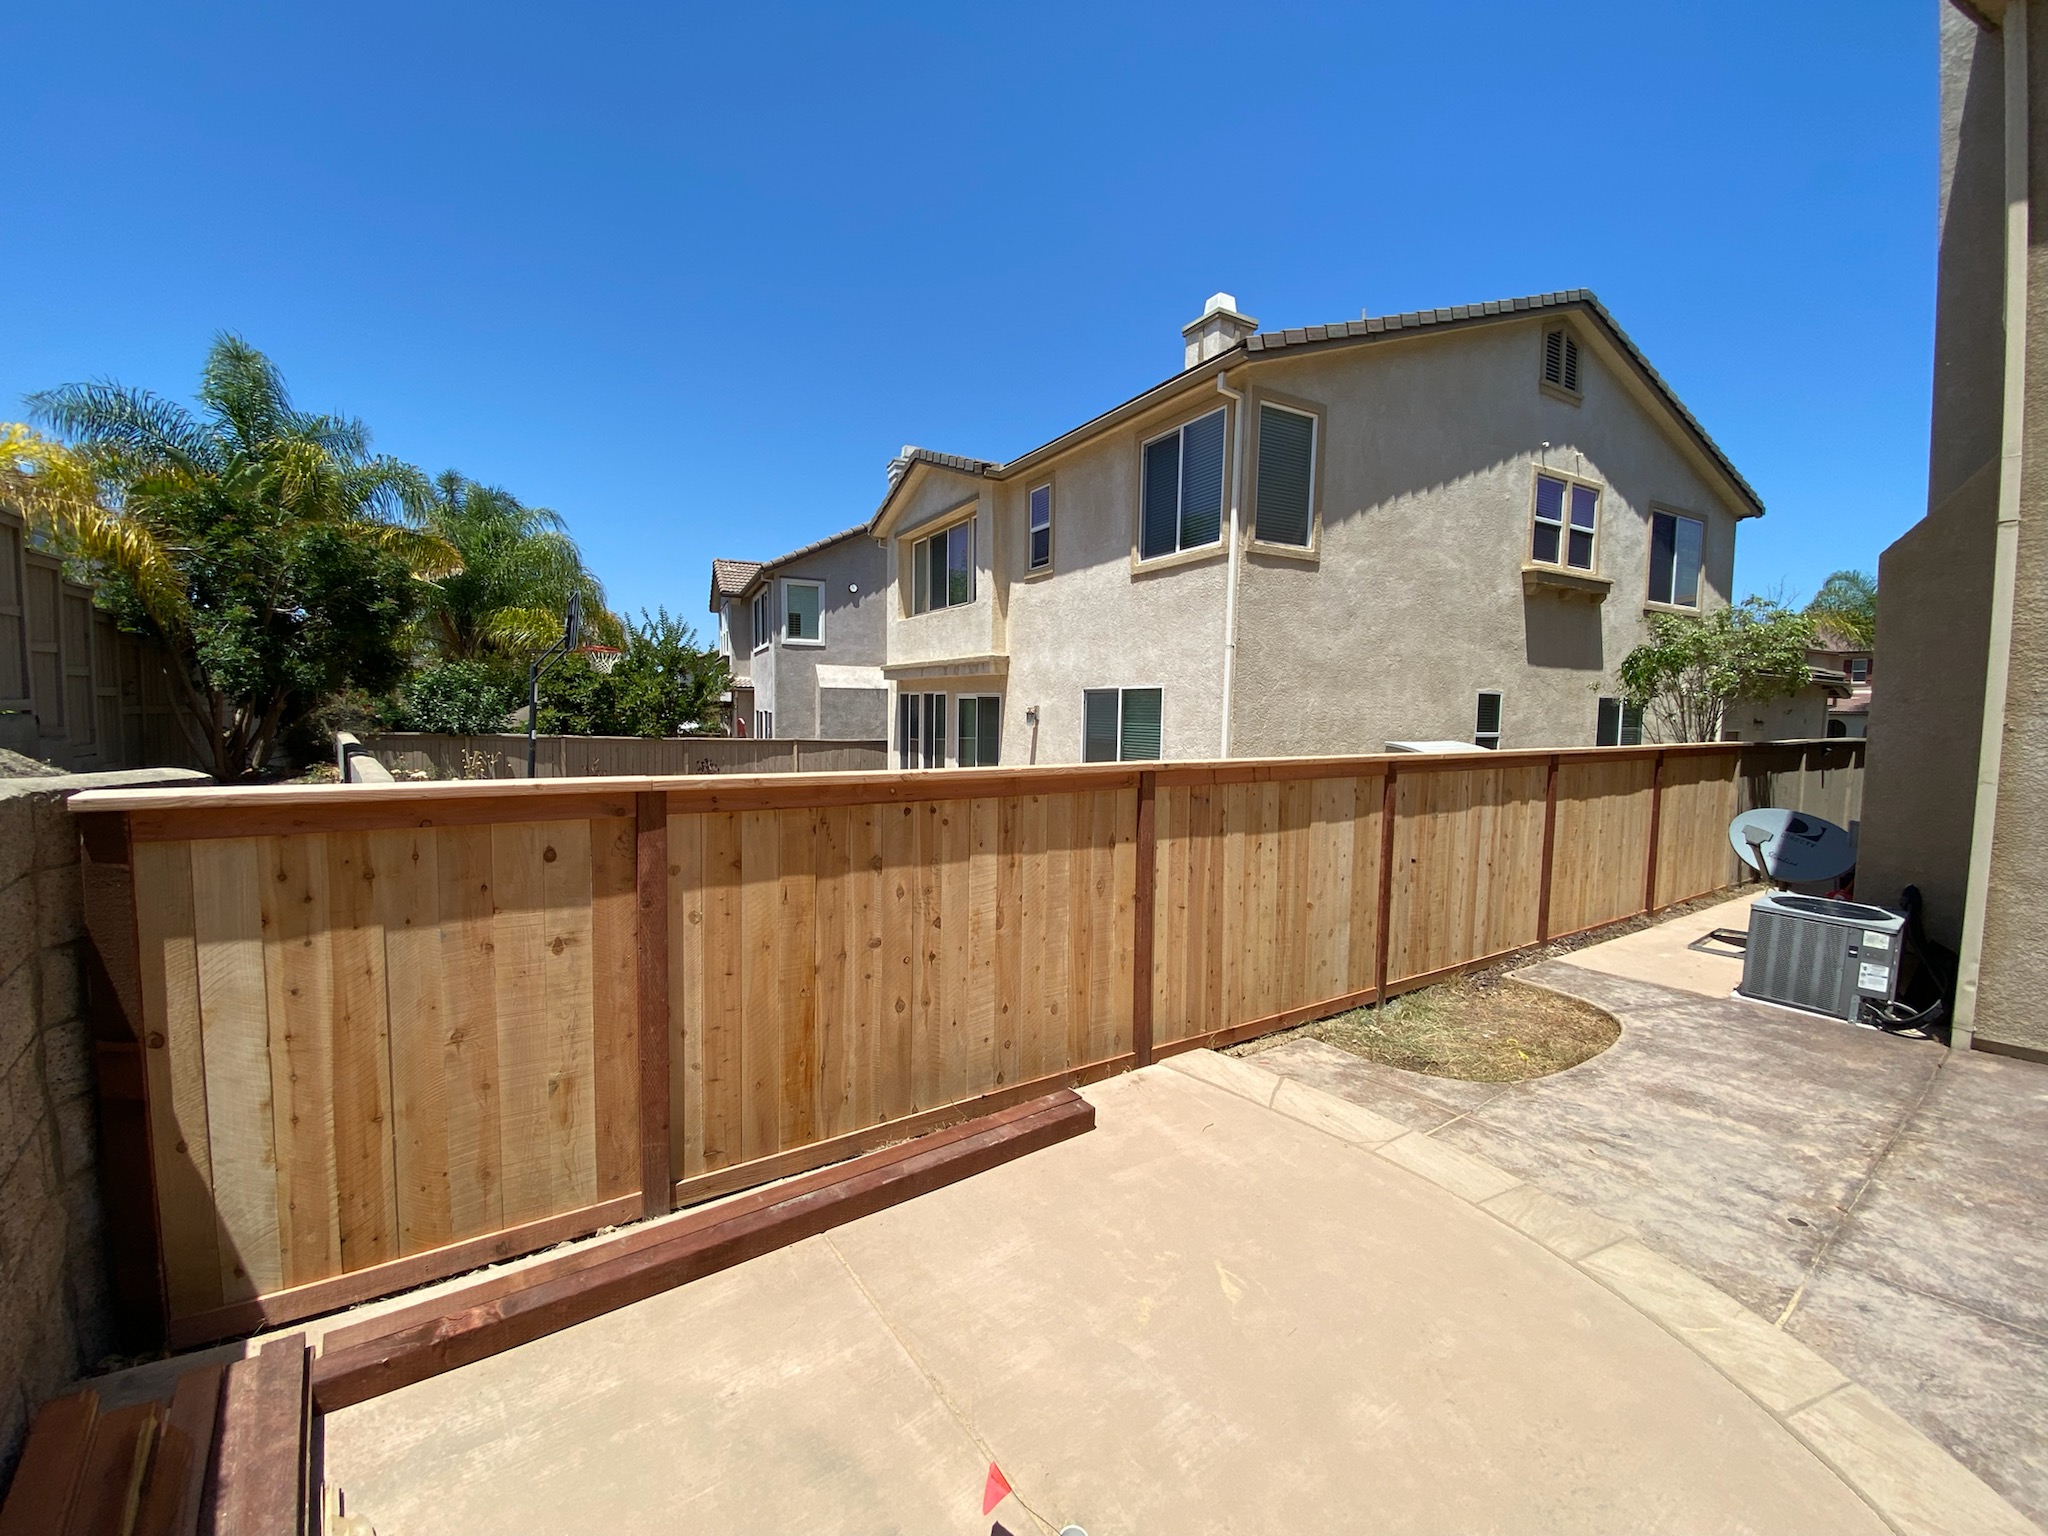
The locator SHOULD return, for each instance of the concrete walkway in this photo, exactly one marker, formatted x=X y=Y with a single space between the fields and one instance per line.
x=1239 y=1304
x=1884 y=1200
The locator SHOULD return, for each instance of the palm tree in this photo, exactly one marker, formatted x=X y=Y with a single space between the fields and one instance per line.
x=519 y=566
x=271 y=554
x=1846 y=606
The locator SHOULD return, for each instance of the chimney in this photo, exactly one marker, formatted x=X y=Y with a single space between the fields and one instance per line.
x=900 y=463
x=1220 y=328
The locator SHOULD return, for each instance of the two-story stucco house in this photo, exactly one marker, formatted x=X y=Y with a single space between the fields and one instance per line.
x=1447 y=526
x=803 y=637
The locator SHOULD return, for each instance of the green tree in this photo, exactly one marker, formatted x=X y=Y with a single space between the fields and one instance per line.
x=1846 y=607
x=1685 y=675
x=458 y=698
x=508 y=601
x=663 y=683
x=274 y=557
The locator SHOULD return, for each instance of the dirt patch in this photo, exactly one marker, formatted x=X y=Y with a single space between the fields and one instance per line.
x=1482 y=1026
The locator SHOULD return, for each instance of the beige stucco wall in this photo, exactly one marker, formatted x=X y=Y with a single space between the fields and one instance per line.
x=1802 y=716
x=1416 y=603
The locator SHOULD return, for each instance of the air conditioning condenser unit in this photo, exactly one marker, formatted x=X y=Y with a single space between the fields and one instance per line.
x=1825 y=956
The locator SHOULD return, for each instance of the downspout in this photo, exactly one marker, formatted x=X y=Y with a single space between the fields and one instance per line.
x=1230 y=569
x=2006 y=551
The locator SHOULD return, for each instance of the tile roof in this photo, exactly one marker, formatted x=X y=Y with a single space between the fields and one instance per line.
x=732 y=578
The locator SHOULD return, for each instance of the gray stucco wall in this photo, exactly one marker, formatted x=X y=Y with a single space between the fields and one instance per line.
x=854 y=575
x=54 y=1290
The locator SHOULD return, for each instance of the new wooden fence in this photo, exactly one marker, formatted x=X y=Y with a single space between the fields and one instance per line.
x=357 y=1037
x=561 y=757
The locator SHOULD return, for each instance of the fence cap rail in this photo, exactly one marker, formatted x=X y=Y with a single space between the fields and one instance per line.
x=311 y=800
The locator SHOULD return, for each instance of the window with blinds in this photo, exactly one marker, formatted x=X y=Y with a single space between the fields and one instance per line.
x=1120 y=725
x=1182 y=498
x=1041 y=527
x=1286 y=478
x=981 y=732
x=1561 y=359
x=1486 y=724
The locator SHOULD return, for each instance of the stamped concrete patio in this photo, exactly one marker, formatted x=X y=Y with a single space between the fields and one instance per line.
x=1240 y=1304
x=1885 y=1200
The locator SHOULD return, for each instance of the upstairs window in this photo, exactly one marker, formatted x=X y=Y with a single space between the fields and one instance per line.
x=1620 y=725
x=1286 y=478
x=1120 y=725
x=1561 y=360
x=1859 y=669
x=764 y=620
x=1675 y=546
x=800 y=616
x=1041 y=528
x=942 y=569
x=1486 y=724
x=1567 y=520
x=1182 y=501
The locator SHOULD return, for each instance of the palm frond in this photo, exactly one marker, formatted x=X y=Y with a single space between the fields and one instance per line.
x=132 y=423
x=428 y=556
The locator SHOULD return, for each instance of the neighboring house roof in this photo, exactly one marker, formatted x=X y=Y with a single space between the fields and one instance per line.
x=735 y=578
x=729 y=578
x=1261 y=344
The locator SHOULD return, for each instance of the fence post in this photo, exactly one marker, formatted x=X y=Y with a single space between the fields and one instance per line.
x=1656 y=825
x=1386 y=903
x=657 y=1184
x=1549 y=848
x=1142 y=920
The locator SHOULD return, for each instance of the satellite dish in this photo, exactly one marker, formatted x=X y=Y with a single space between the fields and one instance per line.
x=1791 y=847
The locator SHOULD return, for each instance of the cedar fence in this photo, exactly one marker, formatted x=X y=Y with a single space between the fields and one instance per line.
x=354 y=1038
x=562 y=757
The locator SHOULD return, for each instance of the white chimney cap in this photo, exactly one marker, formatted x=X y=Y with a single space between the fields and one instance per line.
x=1220 y=301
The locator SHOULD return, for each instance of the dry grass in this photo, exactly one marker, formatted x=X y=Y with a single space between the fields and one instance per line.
x=1484 y=1029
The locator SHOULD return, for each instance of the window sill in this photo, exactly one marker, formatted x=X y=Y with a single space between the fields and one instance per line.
x=1307 y=554
x=1563 y=581
x=1144 y=567
x=1038 y=575
x=1687 y=610
x=1559 y=392
x=803 y=645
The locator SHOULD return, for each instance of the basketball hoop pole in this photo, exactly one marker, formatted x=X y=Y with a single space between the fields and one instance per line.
x=572 y=634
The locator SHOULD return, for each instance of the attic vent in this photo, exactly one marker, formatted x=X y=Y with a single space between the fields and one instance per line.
x=1561 y=360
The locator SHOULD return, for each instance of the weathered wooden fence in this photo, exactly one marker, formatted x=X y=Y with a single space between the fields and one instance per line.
x=74 y=690
x=383 y=1033
x=563 y=757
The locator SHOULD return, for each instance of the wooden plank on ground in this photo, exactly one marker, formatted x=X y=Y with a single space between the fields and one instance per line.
x=348 y=1374
x=53 y=1459
x=110 y=1488
x=258 y=1486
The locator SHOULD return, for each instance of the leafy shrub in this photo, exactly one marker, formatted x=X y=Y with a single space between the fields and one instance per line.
x=458 y=698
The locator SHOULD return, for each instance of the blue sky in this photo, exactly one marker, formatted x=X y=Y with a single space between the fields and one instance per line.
x=691 y=276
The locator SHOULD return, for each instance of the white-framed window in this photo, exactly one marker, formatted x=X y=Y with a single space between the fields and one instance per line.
x=1567 y=522
x=920 y=730
x=1676 y=546
x=1041 y=527
x=942 y=568
x=1561 y=360
x=803 y=617
x=764 y=619
x=1620 y=724
x=764 y=724
x=1486 y=720
x=1858 y=668
x=1285 y=512
x=1120 y=725
x=980 y=739
x=1181 y=501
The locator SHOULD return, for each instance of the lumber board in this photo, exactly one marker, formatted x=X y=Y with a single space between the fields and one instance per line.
x=258 y=1486
x=352 y=1375
x=110 y=1485
x=52 y=1465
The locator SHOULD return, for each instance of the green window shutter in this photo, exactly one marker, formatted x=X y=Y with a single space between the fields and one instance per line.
x=989 y=750
x=1139 y=741
x=1162 y=498
x=1287 y=448
x=1098 y=725
x=1201 y=470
